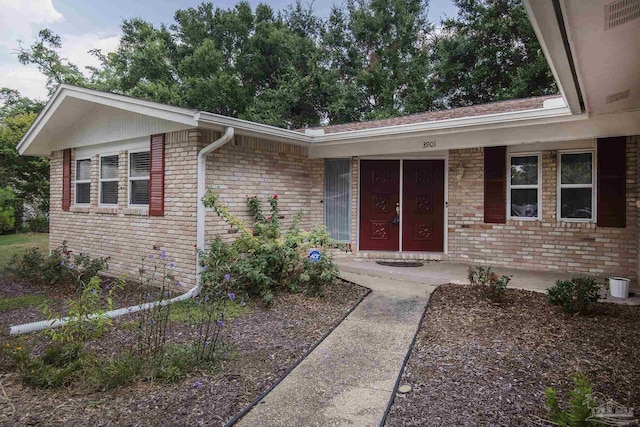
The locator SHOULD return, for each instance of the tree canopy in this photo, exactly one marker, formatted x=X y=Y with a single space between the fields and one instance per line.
x=291 y=68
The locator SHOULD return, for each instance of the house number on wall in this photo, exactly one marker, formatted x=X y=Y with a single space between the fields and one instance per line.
x=429 y=144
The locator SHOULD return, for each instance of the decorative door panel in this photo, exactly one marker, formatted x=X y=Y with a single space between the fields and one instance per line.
x=423 y=205
x=379 y=197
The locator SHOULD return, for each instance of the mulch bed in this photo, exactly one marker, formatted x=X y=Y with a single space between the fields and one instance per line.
x=476 y=363
x=265 y=342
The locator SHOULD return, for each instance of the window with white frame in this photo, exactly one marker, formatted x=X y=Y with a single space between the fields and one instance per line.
x=524 y=186
x=139 y=167
x=575 y=182
x=83 y=181
x=109 y=180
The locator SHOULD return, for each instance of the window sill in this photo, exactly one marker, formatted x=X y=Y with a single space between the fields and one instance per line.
x=80 y=209
x=136 y=211
x=107 y=210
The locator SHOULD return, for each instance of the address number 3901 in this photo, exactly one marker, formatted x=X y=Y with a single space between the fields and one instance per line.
x=429 y=144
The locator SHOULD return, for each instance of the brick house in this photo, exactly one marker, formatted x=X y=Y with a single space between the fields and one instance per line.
x=548 y=183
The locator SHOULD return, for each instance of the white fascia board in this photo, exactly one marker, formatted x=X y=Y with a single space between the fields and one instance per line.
x=545 y=25
x=570 y=128
x=498 y=120
x=162 y=111
x=257 y=130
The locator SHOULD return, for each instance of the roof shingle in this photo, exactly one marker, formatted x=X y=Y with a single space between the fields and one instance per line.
x=511 y=105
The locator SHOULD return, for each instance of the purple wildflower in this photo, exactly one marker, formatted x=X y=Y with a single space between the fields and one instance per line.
x=107 y=287
x=150 y=256
x=220 y=323
x=227 y=277
x=205 y=268
x=179 y=283
x=172 y=265
x=232 y=296
x=242 y=303
x=93 y=291
x=71 y=266
x=197 y=384
x=163 y=255
x=243 y=255
x=61 y=263
x=165 y=293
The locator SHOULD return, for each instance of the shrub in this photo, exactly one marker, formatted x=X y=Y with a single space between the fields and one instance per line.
x=59 y=366
x=174 y=364
x=7 y=210
x=86 y=315
x=489 y=283
x=265 y=259
x=580 y=405
x=37 y=224
x=117 y=371
x=576 y=296
x=61 y=267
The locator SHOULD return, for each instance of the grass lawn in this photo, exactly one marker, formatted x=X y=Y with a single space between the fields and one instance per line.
x=15 y=244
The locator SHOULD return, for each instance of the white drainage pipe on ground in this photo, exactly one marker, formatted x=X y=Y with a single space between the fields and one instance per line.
x=200 y=222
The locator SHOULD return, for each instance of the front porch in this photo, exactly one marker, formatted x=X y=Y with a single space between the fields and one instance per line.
x=439 y=273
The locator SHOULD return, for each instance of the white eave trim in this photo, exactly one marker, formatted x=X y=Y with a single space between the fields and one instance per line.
x=553 y=112
x=544 y=20
x=245 y=127
x=161 y=111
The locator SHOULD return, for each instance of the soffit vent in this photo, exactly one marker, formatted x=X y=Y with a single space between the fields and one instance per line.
x=617 y=96
x=620 y=12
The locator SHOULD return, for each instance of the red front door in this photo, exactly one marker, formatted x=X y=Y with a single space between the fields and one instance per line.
x=423 y=205
x=379 y=197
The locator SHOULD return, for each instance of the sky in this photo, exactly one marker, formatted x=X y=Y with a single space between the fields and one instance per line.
x=89 y=24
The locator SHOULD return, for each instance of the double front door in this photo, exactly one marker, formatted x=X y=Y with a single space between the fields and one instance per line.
x=411 y=207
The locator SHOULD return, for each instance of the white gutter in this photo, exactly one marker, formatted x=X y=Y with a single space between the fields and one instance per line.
x=201 y=189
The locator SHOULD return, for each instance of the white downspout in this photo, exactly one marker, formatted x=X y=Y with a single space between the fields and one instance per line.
x=202 y=189
x=200 y=219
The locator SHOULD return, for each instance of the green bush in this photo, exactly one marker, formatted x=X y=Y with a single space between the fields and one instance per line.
x=59 y=366
x=489 y=283
x=60 y=267
x=265 y=259
x=580 y=405
x=37 y=224
x=174 y=364
x=116 y=372
x=576 y=296
x=86 y=319
x=7 y=210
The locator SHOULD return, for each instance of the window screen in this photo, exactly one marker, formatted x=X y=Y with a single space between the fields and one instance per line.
x=109 y=180
x=139 y=178
x=83 y=181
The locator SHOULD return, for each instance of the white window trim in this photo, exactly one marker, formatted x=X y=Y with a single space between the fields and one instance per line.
x=81 y=181
x=136 y=178
x=593 y=186
x=524 y=187
x=101 y=180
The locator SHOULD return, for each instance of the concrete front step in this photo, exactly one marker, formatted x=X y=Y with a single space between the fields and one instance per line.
x=432 y=273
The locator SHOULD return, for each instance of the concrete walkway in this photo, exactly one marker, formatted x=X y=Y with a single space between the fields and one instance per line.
x=349 y=378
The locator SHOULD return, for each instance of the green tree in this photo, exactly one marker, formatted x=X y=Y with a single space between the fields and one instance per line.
x=26 y=176
x=489 y=52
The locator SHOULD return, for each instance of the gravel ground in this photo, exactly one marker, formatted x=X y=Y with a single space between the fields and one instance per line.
x=476 y=363
x=266 y=342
